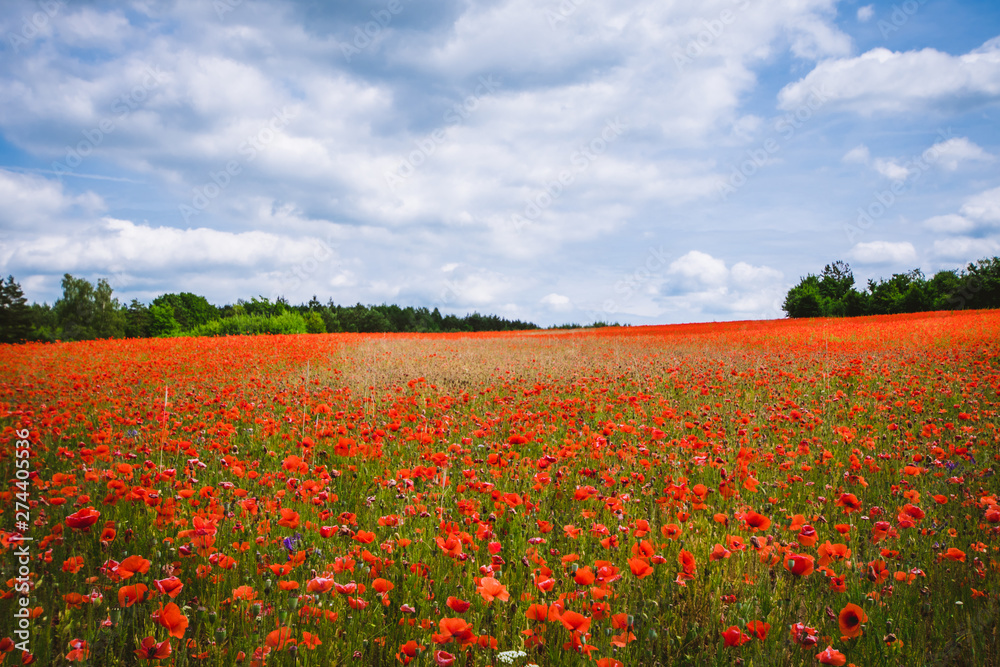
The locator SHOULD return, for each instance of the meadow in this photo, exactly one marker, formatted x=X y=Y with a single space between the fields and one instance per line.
x=794 y=492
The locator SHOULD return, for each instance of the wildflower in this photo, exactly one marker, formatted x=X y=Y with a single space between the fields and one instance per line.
x=150 y=649
x=457 y=605
x=733 y=636
x=850 y=619
x=759 y=629
x=831 y=656
x=172 y=619
x=490 y=588
x=83 y=519
x=800 y=565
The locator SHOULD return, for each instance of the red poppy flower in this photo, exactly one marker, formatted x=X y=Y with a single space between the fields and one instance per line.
x=575 y=622
x=150 y=649
x=850 y=619
x=83 y=519
x=129 y=595
x=807 y=536
x=831 y=656
x=456 y=605
x=800 y=565
x=319 y=585
x=131 y=566
x=759 y=629
x=289 y=518
x=408 y=651
x=733 y=636
x=955 y=554
x=79 y=651
x=170 y=586
x=640 y=567
x=490 y=588
x=849 y=502
x=755 y=521
x=443 y=659
x=719 y=552
x=172 y=619
x=277 y=639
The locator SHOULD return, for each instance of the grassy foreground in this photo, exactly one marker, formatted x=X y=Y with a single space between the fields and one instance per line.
x=761 y=493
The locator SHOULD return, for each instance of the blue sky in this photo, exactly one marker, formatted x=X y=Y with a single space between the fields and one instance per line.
x=579 y=160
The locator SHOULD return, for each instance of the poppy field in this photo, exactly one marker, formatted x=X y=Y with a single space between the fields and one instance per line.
x=794 y=492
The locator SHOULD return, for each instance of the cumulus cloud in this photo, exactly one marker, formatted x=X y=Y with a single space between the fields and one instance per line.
x=739 y=291
x=31 y=202
x=884 y=252
x=557 y=302
x=892 y=170
x=866 y=13
x=964 y=249
x=978 y=215
x=858 y=155
x=949 y=154
x=887 y=81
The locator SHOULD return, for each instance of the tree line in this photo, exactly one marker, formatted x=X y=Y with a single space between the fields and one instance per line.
x=832 y=293
x=87 y=312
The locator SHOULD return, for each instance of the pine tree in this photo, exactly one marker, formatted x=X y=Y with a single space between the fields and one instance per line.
x=15 y=315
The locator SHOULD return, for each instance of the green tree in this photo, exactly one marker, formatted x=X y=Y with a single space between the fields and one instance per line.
x=162 y=322
x=804 y=300
x=109 y=316
x=137 y=320
x=836 y=281
x=15 y=315
x=982 y=289
x=190 y=310
x=75 y=310
x=315 y=323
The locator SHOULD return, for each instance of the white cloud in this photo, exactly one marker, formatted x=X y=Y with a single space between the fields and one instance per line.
x=884 y=252
x=950 y=224
x=557 y=302
x=964 y=249
x=700 y=281
x=892 y=170
x=881 y=80
x=859 y=155
x=698 y=270
x=866 y=13
x=980 y=213
x=953 y=151
x=984 y=207
x=32 y=202
x=120 y=245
